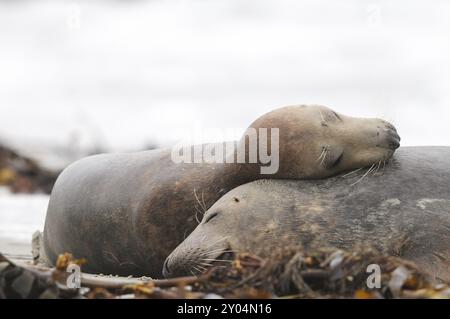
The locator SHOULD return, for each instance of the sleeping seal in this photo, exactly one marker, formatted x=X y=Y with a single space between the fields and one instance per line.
x=125 y=213
x=402 y=209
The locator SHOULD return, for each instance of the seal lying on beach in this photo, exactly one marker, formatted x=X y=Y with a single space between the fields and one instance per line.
x=402 y=209
x=125 y=213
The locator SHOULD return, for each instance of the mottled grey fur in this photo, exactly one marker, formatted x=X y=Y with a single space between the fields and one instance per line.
x=402 y=209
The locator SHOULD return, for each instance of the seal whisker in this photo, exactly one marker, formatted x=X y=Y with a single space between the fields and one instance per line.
x=217 y=241
x=204 y=264
x=379 y=165
x=211 y=259
x=377 y=168
x=198 y=201
x=352 y=172
x=204 y=205
x=324 y=157
x=218 y=250
x=212 y=254
x=371 y=169
x=112 y=256
x=199 y=266
x=321 y=154
x=197 y=270
x=368 y=172
x=196 y=214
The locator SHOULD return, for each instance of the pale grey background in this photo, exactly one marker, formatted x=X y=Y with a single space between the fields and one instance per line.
x=125 y=74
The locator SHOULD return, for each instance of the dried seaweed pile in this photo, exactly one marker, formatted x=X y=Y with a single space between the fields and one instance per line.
x=23 y=175
x=291 y=273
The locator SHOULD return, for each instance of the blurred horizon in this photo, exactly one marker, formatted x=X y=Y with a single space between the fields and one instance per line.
x=126 y=75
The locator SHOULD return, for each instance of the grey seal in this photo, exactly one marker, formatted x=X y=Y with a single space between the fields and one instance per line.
x=126 y=212
x=402 y=210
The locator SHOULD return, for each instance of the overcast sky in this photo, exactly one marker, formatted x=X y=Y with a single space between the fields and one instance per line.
x=127 y=73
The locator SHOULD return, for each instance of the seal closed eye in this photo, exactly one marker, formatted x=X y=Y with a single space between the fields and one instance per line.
x=210 y=216
x=337 y=161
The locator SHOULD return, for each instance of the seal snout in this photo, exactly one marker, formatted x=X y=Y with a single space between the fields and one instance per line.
x=392 y=139
x=186 y=262
x=196 y=255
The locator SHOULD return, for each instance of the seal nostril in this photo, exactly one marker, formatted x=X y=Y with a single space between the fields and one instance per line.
x=394 y=144
x=166 y=270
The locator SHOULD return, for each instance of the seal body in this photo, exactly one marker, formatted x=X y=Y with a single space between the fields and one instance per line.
x=125 y=213
x=402 y=209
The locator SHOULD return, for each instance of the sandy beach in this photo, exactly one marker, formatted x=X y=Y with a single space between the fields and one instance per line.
x=20 y=216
